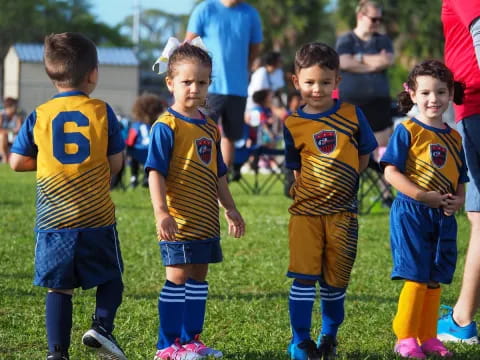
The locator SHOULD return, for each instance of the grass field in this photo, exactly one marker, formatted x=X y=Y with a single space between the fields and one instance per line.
x=247 y=312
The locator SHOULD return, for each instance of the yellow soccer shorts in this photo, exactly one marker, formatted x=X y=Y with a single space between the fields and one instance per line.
x=323 y=247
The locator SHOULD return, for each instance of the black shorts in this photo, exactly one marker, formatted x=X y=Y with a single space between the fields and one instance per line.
x=228 y=112
x=378 y=113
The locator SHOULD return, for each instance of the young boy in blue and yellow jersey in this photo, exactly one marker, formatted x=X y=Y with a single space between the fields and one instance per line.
x=74 y=144
x=327 y=143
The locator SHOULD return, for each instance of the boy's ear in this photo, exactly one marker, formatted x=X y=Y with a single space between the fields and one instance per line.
x=92 y=76
x=295 y=82
x=338 y=79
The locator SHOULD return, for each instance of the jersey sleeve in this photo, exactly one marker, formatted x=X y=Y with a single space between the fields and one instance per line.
x=221 y=166
x=160 y=148
x=397 y=149
x=292 y=155
x=366 y=140
x=132 y=136
x=116 y=143
x=24 y=143
x=463 y=178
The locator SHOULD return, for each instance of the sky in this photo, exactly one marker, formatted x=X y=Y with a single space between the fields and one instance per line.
x=112 y=12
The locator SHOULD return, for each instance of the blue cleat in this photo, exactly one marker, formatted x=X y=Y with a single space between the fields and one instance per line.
x=448 y=330
x=306 y=350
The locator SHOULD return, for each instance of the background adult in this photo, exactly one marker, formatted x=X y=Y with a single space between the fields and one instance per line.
x=461 y=27
x=10 y=123
x=365 y=55
x=232 y=33
x=269 y=75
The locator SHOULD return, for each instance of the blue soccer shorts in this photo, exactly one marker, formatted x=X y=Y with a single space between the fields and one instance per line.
x=423 y=242
x=190 y=252
x=70 y=259
x=469 y=128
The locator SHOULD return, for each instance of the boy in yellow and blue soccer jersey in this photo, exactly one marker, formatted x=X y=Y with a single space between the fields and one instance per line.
x=74 y=144
x=424 y=161
x=328 y=143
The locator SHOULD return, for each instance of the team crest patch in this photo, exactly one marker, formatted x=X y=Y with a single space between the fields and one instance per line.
x=326 y=141
x=438 y=153
x=204 y=149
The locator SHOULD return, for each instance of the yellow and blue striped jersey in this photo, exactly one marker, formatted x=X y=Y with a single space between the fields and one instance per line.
x=431 y=158
x=187 y=153
x=71 y=137
x=325 y=148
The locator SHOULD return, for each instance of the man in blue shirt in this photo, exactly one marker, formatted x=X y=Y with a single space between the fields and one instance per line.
x=232 y=33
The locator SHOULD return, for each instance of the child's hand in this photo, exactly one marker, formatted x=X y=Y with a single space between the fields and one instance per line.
x=454 y=203
x=433 y=199
x=236 y=225
x=166 y=227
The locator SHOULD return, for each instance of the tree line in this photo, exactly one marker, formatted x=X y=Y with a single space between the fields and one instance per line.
x=414 y=28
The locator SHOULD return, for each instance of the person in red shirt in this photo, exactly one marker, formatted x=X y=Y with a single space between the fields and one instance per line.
x=461 y=26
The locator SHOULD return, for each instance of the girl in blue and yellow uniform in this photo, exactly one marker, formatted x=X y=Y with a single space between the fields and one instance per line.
x=187 y=181
x=424 y=161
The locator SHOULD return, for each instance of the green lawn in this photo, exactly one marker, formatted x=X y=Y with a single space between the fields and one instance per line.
x=247 y=312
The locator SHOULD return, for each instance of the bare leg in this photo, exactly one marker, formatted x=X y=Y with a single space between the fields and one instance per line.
x=4 y=146
x=227 y=151
x=469 y=299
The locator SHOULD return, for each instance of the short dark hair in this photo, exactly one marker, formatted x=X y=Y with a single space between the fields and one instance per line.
x=259 y=97
x=272 y=58
x=69 y=57
x=316 y=53
x=9 y=102
x=147 y=108
x=188 y=51
x=437 y=70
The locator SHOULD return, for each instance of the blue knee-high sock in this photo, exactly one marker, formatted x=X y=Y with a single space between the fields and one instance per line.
x=196 y=293
x=171 y=309
x=300 y=304
x=58 y=320
x=109 y=298
x=333 y=311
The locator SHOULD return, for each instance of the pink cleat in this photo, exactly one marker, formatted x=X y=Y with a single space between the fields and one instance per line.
x=408 y=348
x=198 y=347
x=176 y=352
x=434 y=346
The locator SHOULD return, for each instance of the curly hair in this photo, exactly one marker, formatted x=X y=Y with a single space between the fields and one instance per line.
x=147 y=108
x=435 y=69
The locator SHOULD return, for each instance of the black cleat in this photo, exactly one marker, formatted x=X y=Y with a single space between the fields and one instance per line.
x=58 y=354
x=327 y=347
x=103 y=342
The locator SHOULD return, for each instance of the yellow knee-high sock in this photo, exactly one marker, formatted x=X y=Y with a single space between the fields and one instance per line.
x=410 y=305
x=429 y=317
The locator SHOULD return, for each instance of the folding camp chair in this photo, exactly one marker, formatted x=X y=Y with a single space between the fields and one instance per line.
x=373 y=189
x=261 y=183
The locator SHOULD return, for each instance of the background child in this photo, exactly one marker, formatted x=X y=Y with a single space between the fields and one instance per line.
x=10 y=123
x=145 y=111
x=424 y=161
x=74 y=144
x=187 y=180
x=327 y=144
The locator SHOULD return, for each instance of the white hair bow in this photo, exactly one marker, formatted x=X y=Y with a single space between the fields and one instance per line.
x=172 y=44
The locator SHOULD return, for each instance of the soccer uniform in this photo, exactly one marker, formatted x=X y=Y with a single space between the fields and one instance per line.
x=423 y=239
x=187 y=153
x=138 y=140
x=323 y=228
x=71 y=137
